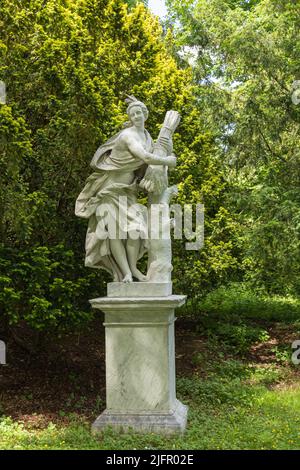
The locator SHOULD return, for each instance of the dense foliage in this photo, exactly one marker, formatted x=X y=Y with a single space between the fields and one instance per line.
x=231 y=68
x=246 y=60
x=67 y=66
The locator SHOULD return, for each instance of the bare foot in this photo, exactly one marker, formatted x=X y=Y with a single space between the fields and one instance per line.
x=127 y=278
x=139 y=276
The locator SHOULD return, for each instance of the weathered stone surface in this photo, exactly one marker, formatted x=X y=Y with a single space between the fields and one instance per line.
x=140 y=363
x=138 y=303
x=109 y=200
x=139 y=316
x=139 y=289
x=169 y=423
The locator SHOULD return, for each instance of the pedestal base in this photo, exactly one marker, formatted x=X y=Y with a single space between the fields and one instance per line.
x=139 y=289
x=163 y=423
x=140 y=364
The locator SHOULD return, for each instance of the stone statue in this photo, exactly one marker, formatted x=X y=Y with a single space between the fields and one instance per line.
x=139 y=316
x=113 y=187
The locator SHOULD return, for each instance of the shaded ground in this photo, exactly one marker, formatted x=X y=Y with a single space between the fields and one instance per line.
x=67 y=376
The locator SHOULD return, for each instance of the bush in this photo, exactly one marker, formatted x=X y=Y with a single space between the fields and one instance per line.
x=46 y=287
x=237 y=301
x=239 y=338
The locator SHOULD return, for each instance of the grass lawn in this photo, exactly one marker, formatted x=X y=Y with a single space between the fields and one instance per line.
x=260 y=419
x=242 y=389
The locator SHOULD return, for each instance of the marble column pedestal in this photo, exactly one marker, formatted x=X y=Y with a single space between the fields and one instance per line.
x=140 y=359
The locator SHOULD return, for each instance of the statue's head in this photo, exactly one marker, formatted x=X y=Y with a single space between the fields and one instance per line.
x=136 y=110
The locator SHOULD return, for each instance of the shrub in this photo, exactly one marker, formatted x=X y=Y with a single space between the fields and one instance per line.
x=46 y=287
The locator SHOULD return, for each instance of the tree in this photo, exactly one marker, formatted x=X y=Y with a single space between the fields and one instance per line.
x=67 y=66
x=247 y=61
x=133 y=3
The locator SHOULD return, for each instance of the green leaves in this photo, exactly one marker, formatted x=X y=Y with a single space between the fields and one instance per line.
x=45 y=287
x=248 y=59
x=67 y=67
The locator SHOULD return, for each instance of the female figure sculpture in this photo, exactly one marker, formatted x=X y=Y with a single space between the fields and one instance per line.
x=115 y=164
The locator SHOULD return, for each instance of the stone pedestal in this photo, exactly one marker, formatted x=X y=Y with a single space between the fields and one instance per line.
x=140 y=360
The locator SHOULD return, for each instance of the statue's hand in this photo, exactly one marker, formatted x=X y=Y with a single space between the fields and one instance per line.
x=171 y=161
x=155 y=180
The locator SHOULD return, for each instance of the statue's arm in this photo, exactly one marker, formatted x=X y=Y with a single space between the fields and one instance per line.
x=149 y=158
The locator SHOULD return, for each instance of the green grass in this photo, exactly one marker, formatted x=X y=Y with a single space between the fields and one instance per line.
x=238 y=301
x=233 y=408
x=237 y=399
x=238 y=317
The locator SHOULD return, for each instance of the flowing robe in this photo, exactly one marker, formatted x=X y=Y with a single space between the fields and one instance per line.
x=102 y=202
